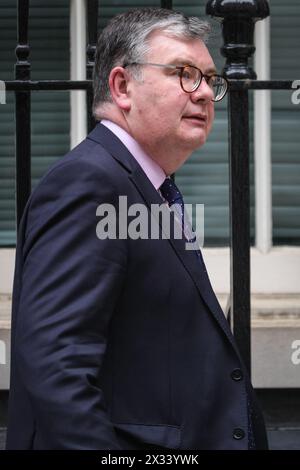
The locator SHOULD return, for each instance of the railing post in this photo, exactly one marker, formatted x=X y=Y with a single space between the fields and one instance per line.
x=92 y=23
x=238 y=20
x=22 y=103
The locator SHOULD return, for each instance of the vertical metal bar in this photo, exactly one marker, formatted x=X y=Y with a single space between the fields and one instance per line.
x=238 y=19
x=168 y=4
x=22 y=110
x=92 y=22
x=240 y=319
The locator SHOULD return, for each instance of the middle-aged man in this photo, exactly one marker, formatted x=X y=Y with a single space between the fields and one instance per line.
x=119 y=342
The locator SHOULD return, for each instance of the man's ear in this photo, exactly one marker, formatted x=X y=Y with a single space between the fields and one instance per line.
x=118 y=84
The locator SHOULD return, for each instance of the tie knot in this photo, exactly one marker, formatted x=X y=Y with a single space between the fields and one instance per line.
x=170 y=192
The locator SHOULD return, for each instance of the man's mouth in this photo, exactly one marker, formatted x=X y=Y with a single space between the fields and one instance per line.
x=198 y=118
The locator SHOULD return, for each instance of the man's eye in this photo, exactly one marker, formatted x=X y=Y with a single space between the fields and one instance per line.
x=186 y=75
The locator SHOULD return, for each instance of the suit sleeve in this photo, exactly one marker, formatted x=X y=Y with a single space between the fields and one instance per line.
x=71 y=282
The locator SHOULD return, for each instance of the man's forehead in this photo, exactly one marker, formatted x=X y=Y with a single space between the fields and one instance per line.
x=172 y=50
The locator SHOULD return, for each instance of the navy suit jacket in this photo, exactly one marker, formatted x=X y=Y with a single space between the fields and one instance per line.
x=116 y=343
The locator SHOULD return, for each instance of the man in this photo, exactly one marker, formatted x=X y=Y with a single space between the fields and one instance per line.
x=119 y=342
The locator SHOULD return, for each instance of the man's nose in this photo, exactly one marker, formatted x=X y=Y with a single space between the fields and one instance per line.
x=203 y=93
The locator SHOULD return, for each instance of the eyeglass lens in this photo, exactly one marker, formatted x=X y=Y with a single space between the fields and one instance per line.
x=191 y=77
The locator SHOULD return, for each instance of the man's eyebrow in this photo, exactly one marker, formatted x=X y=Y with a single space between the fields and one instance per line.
x=181 y=61
x=211 y=71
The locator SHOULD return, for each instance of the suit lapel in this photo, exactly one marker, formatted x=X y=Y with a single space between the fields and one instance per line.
x=196 y=270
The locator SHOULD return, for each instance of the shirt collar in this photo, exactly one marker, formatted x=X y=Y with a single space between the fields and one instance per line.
x=153 y=171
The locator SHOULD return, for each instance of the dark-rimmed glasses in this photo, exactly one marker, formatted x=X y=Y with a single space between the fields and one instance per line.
x=191 y=78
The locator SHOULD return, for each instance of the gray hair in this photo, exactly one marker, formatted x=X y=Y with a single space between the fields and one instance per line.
x=125 y=40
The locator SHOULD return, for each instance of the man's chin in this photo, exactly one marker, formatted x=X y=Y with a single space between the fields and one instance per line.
x=197 y=134
x=196 y=141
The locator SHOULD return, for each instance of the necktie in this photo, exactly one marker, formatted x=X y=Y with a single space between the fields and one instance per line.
x=173 y=196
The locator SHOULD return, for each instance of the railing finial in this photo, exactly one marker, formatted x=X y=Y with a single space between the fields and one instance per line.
x=238 y=18
x=23 y=49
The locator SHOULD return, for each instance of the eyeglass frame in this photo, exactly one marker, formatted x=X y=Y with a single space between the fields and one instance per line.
x=181 y=68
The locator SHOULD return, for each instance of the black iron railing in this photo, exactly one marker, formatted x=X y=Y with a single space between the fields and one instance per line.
x=238 y=22
x=23 y=105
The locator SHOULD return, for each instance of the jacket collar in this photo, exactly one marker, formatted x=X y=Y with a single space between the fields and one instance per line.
x=115 y=147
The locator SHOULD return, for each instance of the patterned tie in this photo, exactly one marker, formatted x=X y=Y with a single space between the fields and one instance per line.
x=172 y=195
